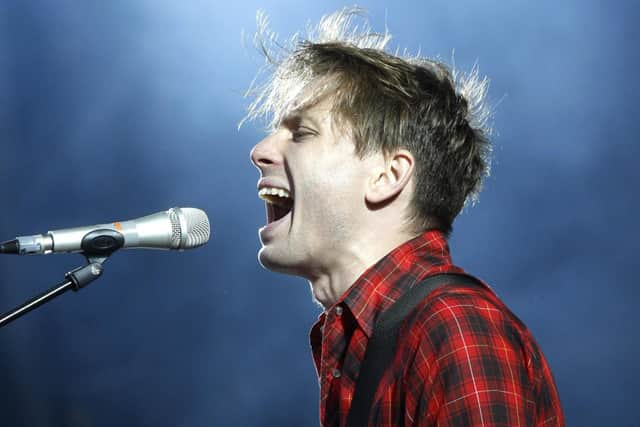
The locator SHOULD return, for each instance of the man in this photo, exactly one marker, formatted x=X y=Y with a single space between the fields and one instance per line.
x=370 y=159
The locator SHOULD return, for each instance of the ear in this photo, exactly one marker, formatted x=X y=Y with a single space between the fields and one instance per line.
x=391 y=177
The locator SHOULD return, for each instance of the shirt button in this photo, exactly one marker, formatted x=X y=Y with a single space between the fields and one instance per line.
x=339 y=310
x=336 y=373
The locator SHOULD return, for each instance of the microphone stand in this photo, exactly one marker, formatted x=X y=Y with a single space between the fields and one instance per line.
x=75 y=279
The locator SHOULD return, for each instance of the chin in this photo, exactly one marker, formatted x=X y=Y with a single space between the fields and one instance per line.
x=274 y=260
x=270 y=259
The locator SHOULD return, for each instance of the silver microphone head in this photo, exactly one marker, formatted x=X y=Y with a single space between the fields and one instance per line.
x=190 y=227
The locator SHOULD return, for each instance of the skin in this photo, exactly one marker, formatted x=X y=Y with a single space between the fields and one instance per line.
x=341 y=202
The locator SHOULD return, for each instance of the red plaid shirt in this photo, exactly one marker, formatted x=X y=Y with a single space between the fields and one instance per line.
x=465 y=359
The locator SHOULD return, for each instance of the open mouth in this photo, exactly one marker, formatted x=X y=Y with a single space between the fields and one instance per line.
x=279 y=202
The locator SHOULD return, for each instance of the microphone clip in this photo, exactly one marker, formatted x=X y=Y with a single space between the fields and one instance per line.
x=82 y=276
x=97 y=246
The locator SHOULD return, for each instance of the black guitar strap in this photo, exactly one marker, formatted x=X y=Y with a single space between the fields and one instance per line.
x=382 y=345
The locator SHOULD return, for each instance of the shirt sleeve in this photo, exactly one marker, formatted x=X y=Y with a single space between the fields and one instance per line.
x=472 y=366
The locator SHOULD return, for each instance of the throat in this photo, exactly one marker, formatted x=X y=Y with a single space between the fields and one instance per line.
x=327 y=289
x=334 y=273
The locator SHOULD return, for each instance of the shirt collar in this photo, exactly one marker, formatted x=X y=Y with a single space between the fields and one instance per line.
x=383 y=283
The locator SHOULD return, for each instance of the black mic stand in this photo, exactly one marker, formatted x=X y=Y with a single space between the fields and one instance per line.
x=75 y=279
x=97 y=247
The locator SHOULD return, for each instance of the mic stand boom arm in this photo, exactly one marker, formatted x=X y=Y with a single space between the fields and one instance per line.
x=75 y=280
x=97 y=246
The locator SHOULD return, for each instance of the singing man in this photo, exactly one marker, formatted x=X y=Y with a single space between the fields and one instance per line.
x=370 y=158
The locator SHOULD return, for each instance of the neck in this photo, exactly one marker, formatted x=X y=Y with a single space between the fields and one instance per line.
x=329 y=284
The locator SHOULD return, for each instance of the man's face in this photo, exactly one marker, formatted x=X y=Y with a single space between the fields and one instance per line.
x=314 y=186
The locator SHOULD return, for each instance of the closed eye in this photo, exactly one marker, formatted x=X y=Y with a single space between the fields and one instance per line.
x=301 y=133
x=297 y=136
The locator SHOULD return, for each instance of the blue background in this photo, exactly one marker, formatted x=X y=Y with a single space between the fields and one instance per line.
x=114 y=110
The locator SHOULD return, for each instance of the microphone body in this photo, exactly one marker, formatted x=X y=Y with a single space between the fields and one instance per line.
x=176 y=228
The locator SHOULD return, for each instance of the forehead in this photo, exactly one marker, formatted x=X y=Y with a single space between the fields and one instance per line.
x=317 y=112
x=313 y=97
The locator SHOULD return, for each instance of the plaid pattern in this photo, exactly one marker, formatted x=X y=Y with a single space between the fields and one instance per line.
x=465 y=359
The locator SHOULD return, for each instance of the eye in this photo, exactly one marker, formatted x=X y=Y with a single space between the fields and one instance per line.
x=297 y=136
x=301 y=133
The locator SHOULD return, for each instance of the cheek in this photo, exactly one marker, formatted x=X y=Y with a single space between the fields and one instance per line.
x=333 y=183
x=329 y=183
x=332 y=196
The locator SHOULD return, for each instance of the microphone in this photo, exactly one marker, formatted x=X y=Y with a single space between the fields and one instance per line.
x=176 y=228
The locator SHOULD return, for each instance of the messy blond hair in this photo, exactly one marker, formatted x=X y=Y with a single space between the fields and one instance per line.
x=388 y=102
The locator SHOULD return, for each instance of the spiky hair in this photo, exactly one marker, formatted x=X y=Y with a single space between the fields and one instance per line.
x=388 y=100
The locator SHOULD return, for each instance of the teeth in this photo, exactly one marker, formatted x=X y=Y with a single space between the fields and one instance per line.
x=266 y=192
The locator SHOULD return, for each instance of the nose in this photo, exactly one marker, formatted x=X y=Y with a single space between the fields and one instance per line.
x=266 y=152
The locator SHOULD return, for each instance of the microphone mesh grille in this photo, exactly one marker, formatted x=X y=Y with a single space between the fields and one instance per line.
x=176 y=231
x=197 y=230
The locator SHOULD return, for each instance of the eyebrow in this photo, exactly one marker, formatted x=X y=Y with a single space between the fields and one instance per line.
x=296 y=117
